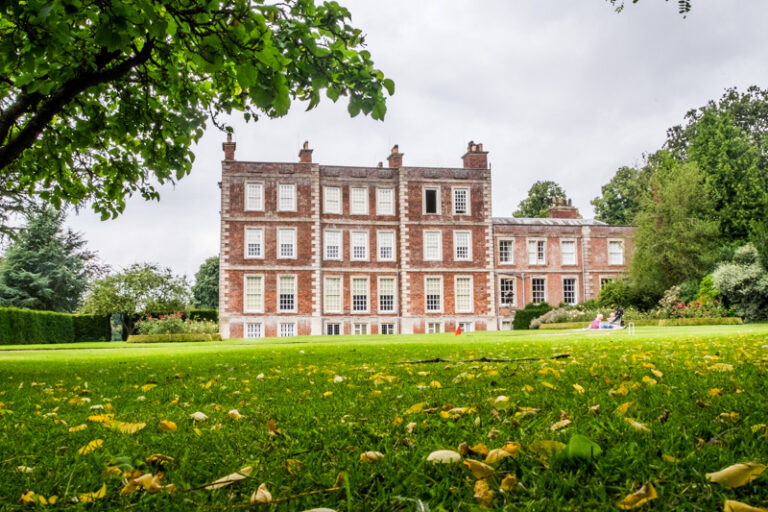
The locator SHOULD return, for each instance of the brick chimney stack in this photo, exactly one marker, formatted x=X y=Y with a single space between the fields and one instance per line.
x=475 y=157
x=305 y=154
x=229 y=148
x=395 y=158
x=562 y=209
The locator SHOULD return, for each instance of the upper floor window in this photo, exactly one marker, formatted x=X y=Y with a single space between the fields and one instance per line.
x=332 y=295
x=332 y=199
x=286 y=242
x=433 y=294
x=462 y=245
x=386 y=245
x=254 y=294
x=332 y=245
x=616 y=252
x=359 y=242
x=431 y=200
x=568 y=252
x=537 y=254
x=569 y=290
x=286 y=289
x=461 y=201
x=506 y=251
x=463 y=294
x=433 y=246
x=385 y=201
x=386 y=294
x=254 y=196
x=254 y=243
x=358 y=201
x=286 y=199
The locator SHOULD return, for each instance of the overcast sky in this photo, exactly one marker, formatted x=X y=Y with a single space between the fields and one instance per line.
x=555 y=90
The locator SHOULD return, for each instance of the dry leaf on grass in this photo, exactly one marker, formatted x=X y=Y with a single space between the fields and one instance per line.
x=444 y=457
x=483 y=493
x=158 y=459
x=737 y=475
x=261 y=495
x=371 y=456
x=230 y=479
x=639 y=498
x=273 y=431
x=167 y=426
x=737 y=506
x=559 y=425
x=546 y=449
x=234 y=414
x=496 y=455
x=198 y=416
x=148 y=482
x=124 y=427
x=93 y=445
x=640 y=427
x=93 y=496
x=509 y=482
x=479 y=469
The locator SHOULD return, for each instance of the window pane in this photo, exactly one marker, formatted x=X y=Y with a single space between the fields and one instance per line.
x=507 y=292
x=253 y=330
x=359 y=245
x=538 y=290
x=385 y=201
x=287 y=198
x=287 y=330
x=287 y=293
x=432 y=290
x=462 y=242
x=430 y=200
x=568 y=250
x=460 y=201
x=359 y=294
x=505 y=251
x=332 y=197
x=254 y=197
x=254 y=294
x=358 y=204
x=332 y=245
x=333 y=294
x=253 y=242
x=569 y=291
x=386 y=245
x=463 y=294
x=616 y=253
x=432 y=245
x=386 y=294
x=286 y=240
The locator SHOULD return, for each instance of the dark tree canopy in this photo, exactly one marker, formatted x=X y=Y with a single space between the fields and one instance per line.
x=46 y=267
x=205 y=291
x=103 y=99
x=620 y=201
x=539 y=199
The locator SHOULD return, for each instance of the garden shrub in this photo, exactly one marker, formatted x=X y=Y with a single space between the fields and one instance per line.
x=27 y=326
x=202 y=314
x=170 y=338
x=743 y=284
x=92 y=328
x=174 y=323
x=732 y=320
x=615 y=293
x=524 y=316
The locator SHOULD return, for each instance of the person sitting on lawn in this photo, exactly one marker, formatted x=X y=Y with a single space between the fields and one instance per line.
x=596 y=322
x=618 y=317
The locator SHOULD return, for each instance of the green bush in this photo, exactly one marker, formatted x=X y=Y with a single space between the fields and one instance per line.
x=732 y=320
x=169 y=338
x=524 y=316
x=174 y=323
x=202 y=314
x=92 y=328
x=26 y=326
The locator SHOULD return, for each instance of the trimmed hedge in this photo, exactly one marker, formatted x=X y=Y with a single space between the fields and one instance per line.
x=27 y=326
x=731 y=320
x=166 y=338
x=525 y=316
x=583 y=325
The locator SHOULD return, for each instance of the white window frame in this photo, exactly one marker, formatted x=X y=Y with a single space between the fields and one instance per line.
x=537 y=240
x=506 y=325
x=439 y=245
x=326 y=208
x=261 y=243
x=564 y=241
x=352 y=234
x=512 y=252
x=327 y=324
x=464 y=324
x=352 y=294
x=438 y=324
x=456 y=247
x=260 y=328
x=295 y=294
x=424 y=199
x=394 y=294
x=379 y=233
x=575 y=289
x=453 y=200
x=326 y=244
x=366 y=210
x=250 y=207
x=442 y=294
x=621 y=245
x=514 y=292
x=393 y=324
x=543 y=278
x=294 y=249
x=367 y=326
x=260 y=308
x=280 y=330
x=390 y=210
x=471 y=308
x=292 y=207
x=326 y=308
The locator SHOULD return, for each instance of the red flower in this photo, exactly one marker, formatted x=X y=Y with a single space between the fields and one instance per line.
x=715 y=301
x=698 y=304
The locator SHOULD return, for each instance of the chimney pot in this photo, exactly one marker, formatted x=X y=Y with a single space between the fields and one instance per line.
x=562 y=208
x=305 y=154
x=395 y=158
x=475 y=157
x=229 y=147
x=380 y=165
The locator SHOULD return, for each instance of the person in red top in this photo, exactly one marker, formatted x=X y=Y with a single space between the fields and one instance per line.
x=596 y=322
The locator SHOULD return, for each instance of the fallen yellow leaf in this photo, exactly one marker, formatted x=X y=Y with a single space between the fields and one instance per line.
x=483 y=493
x=167 y=426
x=737 y=475
x=560 y=425
x=479 y=469
x=415 y=408
x=637 y=499
x=737 y=506
x=78 y=428
x=371 y=456
x=261 y=495
x=91 y=446
x=509 y=482
x=579 y=389
x=93 y=496
x=496 y=455
x=231 y=478
x=623 y=408
x=444 y=457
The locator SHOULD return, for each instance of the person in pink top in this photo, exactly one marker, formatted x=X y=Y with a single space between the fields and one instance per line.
x=596 y=322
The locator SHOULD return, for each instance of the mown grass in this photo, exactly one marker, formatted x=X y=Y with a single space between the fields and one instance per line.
x=326 y=424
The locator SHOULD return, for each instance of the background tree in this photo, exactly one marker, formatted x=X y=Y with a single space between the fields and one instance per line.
x=675 y=240
x=99 y=100
x=539 y=199
x=46 y=267
x=140 y=289
x=743 y=282
x=205 y=291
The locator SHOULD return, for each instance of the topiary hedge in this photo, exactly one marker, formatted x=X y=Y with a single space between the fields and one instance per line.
x=524 y=316
x=170 y=338
x=27 y=326
x=732 y=320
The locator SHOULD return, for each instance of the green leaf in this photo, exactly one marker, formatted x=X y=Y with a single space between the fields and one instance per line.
x=389 y=85
x=582 y=447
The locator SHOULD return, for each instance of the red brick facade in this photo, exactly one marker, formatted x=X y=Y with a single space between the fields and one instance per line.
x=311 y=249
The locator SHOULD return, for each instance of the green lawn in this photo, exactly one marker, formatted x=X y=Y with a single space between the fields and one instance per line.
x=332 y=399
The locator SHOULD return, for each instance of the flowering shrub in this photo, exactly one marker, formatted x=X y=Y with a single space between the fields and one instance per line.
x=173 y=323
x=700 y=310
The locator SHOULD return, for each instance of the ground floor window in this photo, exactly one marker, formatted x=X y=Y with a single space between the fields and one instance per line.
x=387 y=329
x=507 y=292
x=466 y=326
x=538 y=287
x=332 y=329
x=361 y=329
x=287 y=330
x=506 y=325
x=253 y=330
x=433 y=327
x=569 y=291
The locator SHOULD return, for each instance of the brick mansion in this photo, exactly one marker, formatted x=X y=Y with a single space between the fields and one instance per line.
x=323 y=249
